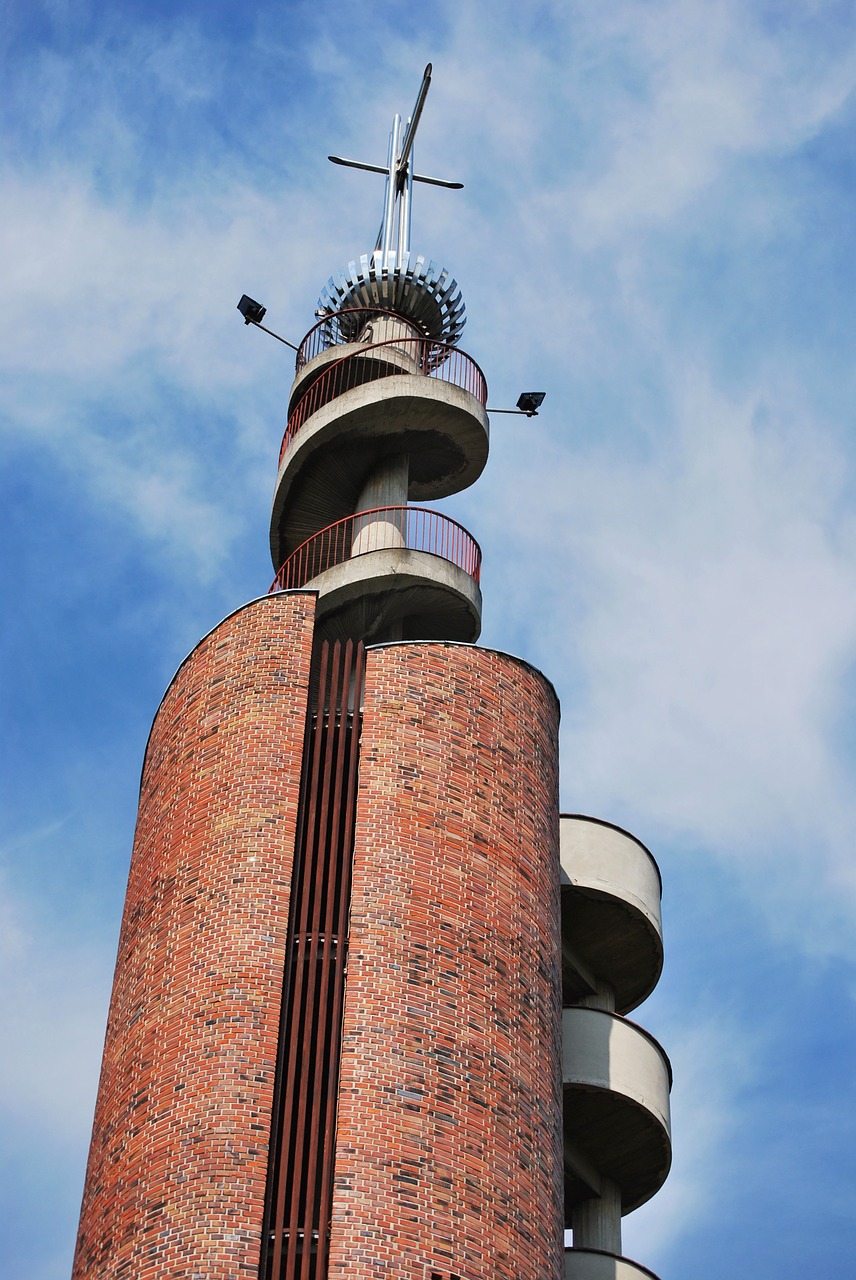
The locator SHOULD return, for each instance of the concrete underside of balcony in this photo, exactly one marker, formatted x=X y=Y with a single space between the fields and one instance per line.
x=397 y=594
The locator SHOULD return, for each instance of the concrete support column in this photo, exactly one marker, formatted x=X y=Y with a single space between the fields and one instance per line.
x=387 y=327
x=385 y=487
x=597 y=1222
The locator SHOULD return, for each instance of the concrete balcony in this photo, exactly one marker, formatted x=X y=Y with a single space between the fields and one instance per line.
x=616 y=1082
x=392 y=573
x=350 y=412
x=595 y=1264
x=610 y=912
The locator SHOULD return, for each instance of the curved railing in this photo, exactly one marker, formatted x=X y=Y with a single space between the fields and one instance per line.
x=380 y=529
x=410 y=357
x=337 y=327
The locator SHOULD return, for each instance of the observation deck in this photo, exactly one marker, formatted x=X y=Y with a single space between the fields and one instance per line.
x=611 y=924
x=391 y=393
x=379 y=414
x=406 y=566
x=618 y=1079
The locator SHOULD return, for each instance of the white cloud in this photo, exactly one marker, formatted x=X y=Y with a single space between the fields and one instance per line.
x=52 y=992
x=713 y=1062
x=677 y=538
x=709 y=84
x=694 y=598
x=123 y=347
x=92 y=283
x=718 y=621
x=622 y=117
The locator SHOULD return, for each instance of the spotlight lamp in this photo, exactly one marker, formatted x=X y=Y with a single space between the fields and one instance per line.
x=530 y=402
x=252 y=311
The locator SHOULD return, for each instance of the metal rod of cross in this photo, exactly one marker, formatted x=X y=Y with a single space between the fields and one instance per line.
x=394 y=234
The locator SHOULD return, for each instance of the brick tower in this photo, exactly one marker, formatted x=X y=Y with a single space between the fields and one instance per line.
x=337 y=1045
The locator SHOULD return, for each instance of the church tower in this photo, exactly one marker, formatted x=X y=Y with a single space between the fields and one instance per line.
x=368 y=1011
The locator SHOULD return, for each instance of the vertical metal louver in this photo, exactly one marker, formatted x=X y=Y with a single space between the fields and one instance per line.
x=300 y=1177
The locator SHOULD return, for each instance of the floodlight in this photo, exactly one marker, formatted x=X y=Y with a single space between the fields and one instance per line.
x=530 y=402
x=252 y=311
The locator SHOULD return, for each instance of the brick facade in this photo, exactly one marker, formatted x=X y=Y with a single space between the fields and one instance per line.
x=448 y=1155
x=176 y=1178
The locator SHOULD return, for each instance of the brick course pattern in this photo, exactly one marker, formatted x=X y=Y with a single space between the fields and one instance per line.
x=448 y=1149
x=177 y=1168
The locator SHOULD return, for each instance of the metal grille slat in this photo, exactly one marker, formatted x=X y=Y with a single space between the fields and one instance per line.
x=296 y=1229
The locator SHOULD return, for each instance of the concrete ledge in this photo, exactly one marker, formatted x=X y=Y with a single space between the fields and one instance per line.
x=594 y=1264
x=604 y=1051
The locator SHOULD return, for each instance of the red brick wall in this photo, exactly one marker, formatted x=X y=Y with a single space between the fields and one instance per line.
x=177 y=1168
x=448 y=1155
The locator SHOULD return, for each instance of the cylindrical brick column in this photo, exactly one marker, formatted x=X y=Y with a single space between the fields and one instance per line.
x=449 y=1149
x=175 y=1184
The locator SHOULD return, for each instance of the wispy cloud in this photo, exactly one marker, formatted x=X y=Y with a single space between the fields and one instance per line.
x=713 y=1064
x=708 y=85
x=693 y=490
x=655 y=229
x=52 y=991
x=713 y=629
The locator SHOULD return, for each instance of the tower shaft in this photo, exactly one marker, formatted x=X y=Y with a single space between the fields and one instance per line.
x=429 y=1138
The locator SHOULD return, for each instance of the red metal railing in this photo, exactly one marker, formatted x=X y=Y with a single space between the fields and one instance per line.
x=408 y=357
x=381 y=528
x=344 y=325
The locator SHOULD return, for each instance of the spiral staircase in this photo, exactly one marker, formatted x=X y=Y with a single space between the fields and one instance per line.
x=382 y=412
x=616 y=1078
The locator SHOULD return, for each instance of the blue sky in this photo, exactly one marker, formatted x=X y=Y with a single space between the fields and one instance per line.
x=657 y=228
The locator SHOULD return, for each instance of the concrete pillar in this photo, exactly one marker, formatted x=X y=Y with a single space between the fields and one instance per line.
x=385 y=487
x=386 y=327
x=597 y=1222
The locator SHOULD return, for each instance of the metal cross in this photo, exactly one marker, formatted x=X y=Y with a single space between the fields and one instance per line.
x=393 y=239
